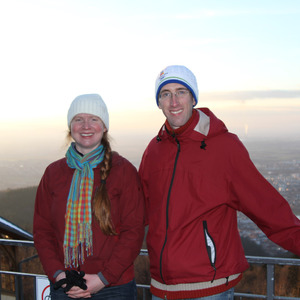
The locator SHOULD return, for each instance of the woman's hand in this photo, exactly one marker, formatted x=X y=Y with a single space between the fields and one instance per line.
x=60 y=276
x=77 y=292
x=94 y=285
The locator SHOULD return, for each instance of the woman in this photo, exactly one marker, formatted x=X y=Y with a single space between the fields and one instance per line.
x=89 y=214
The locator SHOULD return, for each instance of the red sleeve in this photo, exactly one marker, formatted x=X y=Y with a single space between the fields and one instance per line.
x=143 y=174
x=253 y=195
x=45 y=239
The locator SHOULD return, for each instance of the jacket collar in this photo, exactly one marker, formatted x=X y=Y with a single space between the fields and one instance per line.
x=199 y=122
x=203 y=124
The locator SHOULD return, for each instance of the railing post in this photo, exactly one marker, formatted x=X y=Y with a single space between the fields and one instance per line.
x=0 y=277
x=17 y=287
x=270 y=281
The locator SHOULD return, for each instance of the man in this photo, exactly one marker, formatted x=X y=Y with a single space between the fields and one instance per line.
x=196 y=176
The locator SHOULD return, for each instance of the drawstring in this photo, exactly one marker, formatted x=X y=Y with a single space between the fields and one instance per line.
x=203 y=145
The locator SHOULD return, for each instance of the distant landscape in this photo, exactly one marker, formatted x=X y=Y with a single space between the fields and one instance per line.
x=26 y=173
x=17 y=206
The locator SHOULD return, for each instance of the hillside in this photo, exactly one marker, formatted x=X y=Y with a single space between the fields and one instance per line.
x=17 y=206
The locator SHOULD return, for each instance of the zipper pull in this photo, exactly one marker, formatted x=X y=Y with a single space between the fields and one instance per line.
x=213 y=265
x=227 y=280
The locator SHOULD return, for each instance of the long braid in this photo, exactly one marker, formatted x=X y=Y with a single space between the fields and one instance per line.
x=102 y=205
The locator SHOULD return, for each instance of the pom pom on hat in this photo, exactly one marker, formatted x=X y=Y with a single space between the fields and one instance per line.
x=89 y=104
x=176 y=74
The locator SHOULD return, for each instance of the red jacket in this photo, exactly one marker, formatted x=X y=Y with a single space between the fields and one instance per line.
x=113 y=256
x=194 y=183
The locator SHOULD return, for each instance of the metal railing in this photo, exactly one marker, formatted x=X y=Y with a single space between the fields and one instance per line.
x=270 y=262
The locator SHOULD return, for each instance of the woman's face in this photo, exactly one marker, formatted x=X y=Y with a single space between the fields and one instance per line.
x=87 y=131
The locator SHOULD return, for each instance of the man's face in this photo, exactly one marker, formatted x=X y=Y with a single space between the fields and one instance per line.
x=177 y=108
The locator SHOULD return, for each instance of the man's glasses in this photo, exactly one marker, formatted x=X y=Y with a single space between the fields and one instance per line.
x=179 y=94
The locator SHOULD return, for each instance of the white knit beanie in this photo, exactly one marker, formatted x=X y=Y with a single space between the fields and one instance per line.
x=89 y=104
x=176 y=74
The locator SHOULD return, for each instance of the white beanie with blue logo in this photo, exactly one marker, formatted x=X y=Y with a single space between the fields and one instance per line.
x=177 y=74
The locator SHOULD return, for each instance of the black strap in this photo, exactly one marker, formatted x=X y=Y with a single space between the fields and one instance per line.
x=73 y=278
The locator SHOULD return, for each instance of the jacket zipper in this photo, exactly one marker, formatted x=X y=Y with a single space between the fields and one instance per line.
x=167 y=207
x=211 y=248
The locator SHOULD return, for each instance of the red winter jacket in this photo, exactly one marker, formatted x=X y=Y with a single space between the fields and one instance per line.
x=194 y=183
x=113 y=256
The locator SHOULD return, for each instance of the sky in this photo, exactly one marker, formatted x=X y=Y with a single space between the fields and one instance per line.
x=245 y=55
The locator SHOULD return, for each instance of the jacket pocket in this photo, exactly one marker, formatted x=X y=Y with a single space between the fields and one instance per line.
x=210 y=247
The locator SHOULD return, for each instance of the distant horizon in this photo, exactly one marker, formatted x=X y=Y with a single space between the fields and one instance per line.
x=128 y=145
x=28 y=172
x=134 y=129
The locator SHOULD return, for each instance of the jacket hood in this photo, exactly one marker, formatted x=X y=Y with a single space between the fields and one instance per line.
x=205 y=125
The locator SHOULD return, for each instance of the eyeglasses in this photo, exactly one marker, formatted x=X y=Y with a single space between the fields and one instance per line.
x=179 y=94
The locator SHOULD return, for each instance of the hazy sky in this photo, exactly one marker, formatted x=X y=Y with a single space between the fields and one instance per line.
x=245 y=54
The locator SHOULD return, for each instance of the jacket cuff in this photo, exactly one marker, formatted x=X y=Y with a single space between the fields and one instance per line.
x=57 y=273
x=102 y=278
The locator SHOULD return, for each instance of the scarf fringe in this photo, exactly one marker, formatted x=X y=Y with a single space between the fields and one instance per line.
x=76 y=255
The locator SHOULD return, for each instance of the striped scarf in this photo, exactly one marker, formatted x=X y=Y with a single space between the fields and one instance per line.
x=78 y=237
